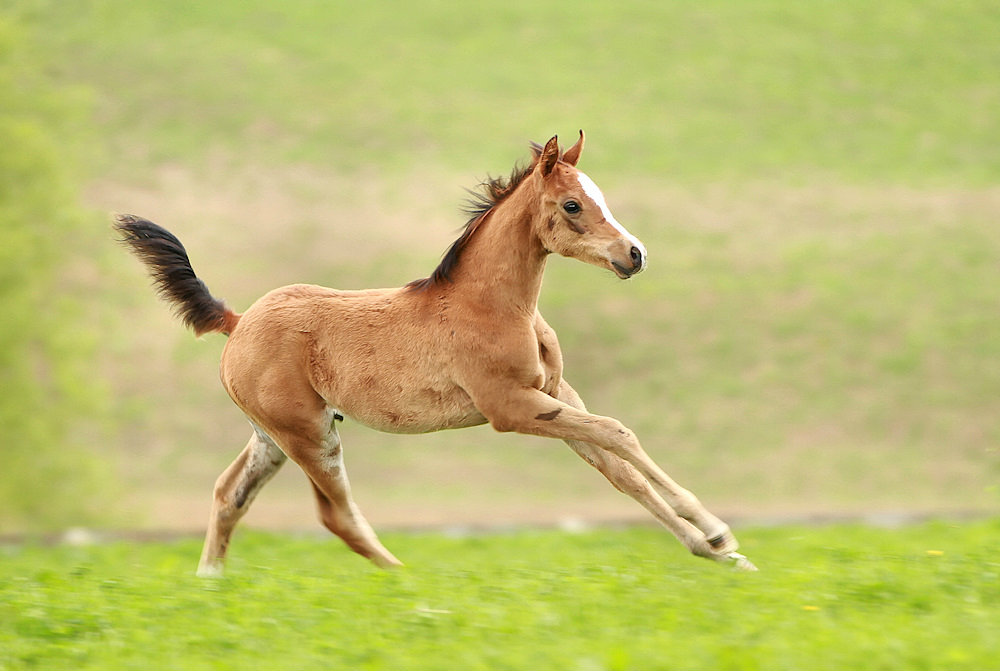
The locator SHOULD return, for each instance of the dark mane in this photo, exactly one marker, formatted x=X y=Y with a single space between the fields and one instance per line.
x=490 y=193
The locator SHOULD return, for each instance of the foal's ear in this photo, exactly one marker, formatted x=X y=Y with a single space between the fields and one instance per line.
x=572 y=154
x=549 y=156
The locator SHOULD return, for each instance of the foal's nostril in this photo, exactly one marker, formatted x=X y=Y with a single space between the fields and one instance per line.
x=635 y=254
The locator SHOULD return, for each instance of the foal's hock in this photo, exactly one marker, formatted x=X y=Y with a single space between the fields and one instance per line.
x=465 y=346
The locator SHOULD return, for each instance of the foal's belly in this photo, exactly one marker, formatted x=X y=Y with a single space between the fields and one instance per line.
x=412 y=411
x=406 y=422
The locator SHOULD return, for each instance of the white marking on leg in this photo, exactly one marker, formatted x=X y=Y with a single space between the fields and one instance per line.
x=332 y=455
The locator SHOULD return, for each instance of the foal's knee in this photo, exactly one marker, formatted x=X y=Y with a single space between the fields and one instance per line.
x=620 y=440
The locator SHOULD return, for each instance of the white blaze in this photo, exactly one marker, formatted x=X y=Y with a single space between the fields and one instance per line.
x=594 y=193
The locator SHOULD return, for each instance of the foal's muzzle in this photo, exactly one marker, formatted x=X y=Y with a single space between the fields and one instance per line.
x=636 y=262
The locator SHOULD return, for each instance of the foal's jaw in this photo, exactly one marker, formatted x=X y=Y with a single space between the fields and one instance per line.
x=624 y=256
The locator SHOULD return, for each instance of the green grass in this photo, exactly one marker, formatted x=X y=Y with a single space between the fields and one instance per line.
x=917 y=597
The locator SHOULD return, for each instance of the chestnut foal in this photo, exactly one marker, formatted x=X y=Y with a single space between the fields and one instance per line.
x=463 y=347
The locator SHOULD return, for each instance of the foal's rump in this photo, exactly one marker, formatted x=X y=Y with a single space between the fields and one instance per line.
x=303 y=348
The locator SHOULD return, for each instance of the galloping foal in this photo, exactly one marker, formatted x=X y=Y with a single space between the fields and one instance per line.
x=463 y=347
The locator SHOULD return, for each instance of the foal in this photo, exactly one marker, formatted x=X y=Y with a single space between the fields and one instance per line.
x=462 y=347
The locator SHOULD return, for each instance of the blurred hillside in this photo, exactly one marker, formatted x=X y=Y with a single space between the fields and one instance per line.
x=817 y=184
x=49 y=414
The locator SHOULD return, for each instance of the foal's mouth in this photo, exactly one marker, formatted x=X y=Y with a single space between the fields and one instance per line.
x=624 y=273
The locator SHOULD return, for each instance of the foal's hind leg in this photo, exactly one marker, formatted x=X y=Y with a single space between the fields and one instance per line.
x=345 y=519
x=323 y=462
x=234 y=491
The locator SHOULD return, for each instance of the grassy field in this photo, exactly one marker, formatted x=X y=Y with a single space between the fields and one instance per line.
x=917 y=597
x=816 y=184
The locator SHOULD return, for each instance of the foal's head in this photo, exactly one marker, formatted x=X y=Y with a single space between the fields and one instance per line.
x=575 y=221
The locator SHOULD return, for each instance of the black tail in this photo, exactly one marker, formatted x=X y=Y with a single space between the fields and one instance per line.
x=173 y=276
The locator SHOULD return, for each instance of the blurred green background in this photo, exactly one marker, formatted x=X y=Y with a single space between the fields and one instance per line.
x=818 y=185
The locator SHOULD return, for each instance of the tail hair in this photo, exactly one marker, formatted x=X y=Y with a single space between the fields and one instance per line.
x=173 y=277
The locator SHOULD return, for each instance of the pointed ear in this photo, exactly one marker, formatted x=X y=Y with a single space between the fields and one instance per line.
x=572 y=155
x=549 y=156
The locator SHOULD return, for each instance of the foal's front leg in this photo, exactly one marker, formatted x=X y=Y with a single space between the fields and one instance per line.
x=614 y=450
x=626 y=479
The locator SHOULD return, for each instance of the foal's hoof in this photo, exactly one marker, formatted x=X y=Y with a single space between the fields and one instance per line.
x=210 y=571
x=738 y=562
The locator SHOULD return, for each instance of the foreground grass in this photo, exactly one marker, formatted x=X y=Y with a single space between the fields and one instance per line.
x=920 y=597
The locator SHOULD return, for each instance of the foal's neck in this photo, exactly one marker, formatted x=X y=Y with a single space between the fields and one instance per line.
x=501 y=268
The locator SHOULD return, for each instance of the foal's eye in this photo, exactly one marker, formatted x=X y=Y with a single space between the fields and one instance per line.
x=571 y=206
